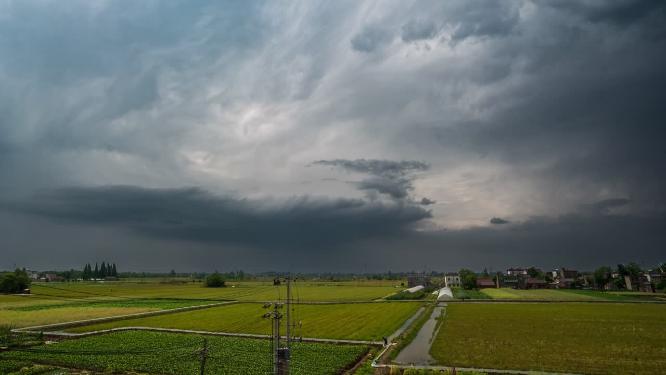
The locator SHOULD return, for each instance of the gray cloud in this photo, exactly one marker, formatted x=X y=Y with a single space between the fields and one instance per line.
x=528 y=109
x=418 y=29
x=499 y=221
x=426 y=201
x=370 y=39
x=196 y=215
x=392 y=178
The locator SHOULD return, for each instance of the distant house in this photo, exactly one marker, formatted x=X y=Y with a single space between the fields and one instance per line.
x=416 y=279
x=565 y=273
x=531 y=283
x=451 y=280
x=485 y=282
x=516 y=271
x=48 y=277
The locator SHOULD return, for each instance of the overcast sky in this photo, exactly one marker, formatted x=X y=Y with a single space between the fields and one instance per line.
x=332 y=136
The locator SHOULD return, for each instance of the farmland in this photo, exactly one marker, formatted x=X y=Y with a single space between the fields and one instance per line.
x=360 y=321
x=594 y=338
x=242 y=291
x=167 y=353
x=40 y=314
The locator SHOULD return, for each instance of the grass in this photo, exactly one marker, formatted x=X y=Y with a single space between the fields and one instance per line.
x=564 y=337
x=364 y=321
x=165 y=353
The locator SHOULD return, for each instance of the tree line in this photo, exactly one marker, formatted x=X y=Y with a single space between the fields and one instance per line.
x=99 y=272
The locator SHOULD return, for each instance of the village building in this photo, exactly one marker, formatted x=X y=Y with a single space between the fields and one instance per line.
x=452 y=280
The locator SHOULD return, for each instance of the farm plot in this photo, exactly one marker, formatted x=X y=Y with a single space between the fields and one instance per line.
x=167 y=353
x=243 y=291
x=564 y=337
x=360 y=321
x=39 y=314
x=538 y=294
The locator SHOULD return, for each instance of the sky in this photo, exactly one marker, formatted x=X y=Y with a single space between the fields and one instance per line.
x=343 y=136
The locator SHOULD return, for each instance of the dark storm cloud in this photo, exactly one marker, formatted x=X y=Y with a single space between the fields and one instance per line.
x=581 y=241
x=548 y=113
x=391 y=178
x=498 y=221
x=621 y=12
x=194 y=214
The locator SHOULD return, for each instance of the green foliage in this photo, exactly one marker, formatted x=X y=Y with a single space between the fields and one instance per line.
x=467 y=278
x=166 y=353
x=602 y=276
x=460 y=293
x=533 y=272
x=14 y=282
x=215 y=281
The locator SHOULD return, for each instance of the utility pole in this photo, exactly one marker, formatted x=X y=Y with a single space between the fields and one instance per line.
x=203 y=353
x=281 y=354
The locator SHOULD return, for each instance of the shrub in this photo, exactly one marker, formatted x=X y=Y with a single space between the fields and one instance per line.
x=215 y=281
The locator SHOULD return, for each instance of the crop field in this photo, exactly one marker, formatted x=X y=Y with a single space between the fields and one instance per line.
x=359 y=321
x=595 y=338
x=25 y=315
x=244 y=291
x=168 y=353
x=545 y=294
x=566 y=295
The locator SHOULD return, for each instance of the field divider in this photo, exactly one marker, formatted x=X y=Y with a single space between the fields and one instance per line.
x=79 y=323
x=70 y=335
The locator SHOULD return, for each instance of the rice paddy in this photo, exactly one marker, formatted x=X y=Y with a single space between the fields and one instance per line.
x=598 y=338
x=358 y=321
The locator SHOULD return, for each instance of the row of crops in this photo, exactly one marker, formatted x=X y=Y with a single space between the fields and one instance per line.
x=169 y=353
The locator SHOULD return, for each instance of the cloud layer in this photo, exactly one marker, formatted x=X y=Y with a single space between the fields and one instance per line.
x=440 y=115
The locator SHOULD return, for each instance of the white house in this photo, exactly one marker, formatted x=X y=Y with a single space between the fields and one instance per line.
x=451 y=280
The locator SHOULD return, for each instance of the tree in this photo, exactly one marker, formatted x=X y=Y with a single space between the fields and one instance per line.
x=602 y=276
x=114 y=271
x=15 y=282
x=215 y=280
x=633 y=269
x=534 y=272
x=172 y=273
x=467 y=278
x=102 y=270
x=96 y=272
x=485 y=273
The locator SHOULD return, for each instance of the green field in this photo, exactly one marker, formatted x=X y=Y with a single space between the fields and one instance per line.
x=166 y=353
x=26 y=315
x=243 y=291
x=359 y=321
x=598 y=338
x=565 y=295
